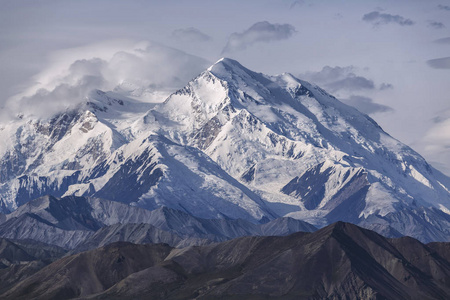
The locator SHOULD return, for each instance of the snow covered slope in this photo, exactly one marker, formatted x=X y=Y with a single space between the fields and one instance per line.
x=231 y=144
x=41 y=157
x=150 y=172
x=307 y=154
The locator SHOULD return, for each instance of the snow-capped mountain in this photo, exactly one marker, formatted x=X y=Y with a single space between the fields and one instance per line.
x=98 y=150
x=231 y=144
x=307 y=154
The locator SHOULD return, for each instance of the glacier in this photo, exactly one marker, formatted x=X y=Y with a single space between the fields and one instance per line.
x=231 y=144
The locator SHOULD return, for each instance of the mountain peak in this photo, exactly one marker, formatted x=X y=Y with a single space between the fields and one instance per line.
x=225 y=67
x=228 y=62
x=237 y=144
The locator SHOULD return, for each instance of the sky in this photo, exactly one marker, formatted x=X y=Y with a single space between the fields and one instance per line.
x=389 y=59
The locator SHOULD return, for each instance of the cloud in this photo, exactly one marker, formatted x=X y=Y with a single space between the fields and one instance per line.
x=190 y=34
x=443 y=41
x=442 y=117
x=257 y=33
x=378 y=18
x=386 y=86
x=344 y=83
x=436 y=24
x=444 y=7
x=351 y=83
x=137 y=70
x=366 y=105
x=437 y=141
x=335 y=79
x=439 y=63
x=297 y=2
x=45 y=103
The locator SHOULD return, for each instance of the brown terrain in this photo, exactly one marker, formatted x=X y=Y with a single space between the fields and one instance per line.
x=340 y=261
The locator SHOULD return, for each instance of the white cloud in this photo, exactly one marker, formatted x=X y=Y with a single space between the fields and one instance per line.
x=73 y=73
x=437 y=141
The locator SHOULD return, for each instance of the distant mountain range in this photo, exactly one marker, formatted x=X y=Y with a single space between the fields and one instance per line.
x=231 y=144
x=79 y=223
x=218 y=192
x=340 y=261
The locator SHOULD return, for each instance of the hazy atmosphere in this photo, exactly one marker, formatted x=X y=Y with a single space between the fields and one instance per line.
x=389 y=59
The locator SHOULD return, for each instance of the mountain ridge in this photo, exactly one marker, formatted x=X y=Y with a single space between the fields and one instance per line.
x=74 y=222
x=341 y=260
x=233 y=143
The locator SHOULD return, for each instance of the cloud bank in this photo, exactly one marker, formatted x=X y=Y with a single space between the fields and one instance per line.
x=378 y=18
x=257 y=33
x=143 y=70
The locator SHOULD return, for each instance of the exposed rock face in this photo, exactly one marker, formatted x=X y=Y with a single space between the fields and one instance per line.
x=138 y=234
x=341 y=261
x=22 y=258
x=93 y=271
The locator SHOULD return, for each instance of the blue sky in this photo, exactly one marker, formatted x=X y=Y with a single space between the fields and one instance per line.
x=390 y=59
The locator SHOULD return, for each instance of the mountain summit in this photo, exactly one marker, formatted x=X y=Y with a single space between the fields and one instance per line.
x=232 y=143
